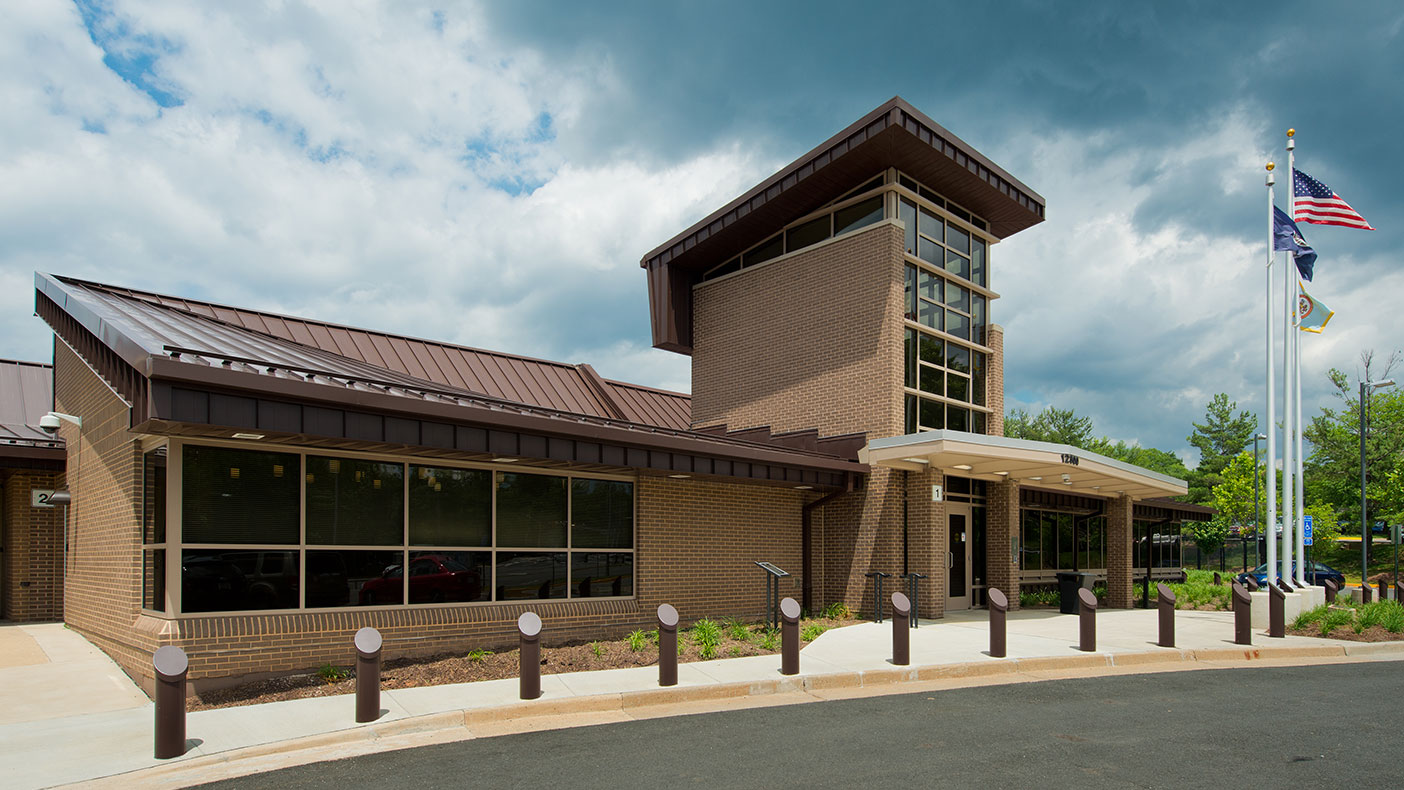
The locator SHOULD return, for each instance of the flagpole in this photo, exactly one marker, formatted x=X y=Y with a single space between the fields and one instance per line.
x=1288 y=467
x=1295 y=276
x=1270 y=537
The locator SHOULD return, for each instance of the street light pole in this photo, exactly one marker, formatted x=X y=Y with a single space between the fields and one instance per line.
x=1364 y=529
x=1257 y=523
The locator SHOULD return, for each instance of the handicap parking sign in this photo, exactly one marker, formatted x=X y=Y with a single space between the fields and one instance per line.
x=1306 y=533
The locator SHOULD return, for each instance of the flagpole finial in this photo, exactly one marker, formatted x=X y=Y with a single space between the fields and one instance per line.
x=1270 y=166
x=1291 y=132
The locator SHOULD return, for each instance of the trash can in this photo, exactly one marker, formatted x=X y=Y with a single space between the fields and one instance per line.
x=1069 y=582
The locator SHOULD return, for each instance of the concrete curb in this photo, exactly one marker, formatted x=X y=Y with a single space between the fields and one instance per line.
x=459 y=725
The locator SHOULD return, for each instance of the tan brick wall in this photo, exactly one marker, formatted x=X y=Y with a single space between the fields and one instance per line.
x=31 y=566
x=1119 y=592
x=811 y=341
x=994 y=382
x=1002 y=525
x=102 y=572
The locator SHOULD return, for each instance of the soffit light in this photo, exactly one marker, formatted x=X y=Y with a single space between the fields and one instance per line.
x=506 y=460
x=248 y=436
x=963 y=467
x=680 y=477
x=803 y=488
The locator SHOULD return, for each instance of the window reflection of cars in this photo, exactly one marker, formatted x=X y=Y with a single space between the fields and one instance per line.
x=210 y=583
x=271 y=577
x=433 y=578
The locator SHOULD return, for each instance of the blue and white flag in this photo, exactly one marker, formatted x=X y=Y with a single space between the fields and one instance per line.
x=1285 y=236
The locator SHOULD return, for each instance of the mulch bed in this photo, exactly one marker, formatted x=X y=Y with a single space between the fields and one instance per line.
x=1346 y=633
x=442 y=669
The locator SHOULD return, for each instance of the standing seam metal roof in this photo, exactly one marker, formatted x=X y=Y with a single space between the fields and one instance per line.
x=297 y=342
x=26 y=394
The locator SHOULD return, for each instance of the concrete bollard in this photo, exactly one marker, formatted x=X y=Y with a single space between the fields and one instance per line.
x=1086 y=620
x=1242 y=616
x=529 y=641
x=999 y=623
x=1277 y=602
x=171 y=666
x=1331 y=590
x=667 y=645
x=789 y=636
x=1165 y=602
x=901 y=630
x=368 y=644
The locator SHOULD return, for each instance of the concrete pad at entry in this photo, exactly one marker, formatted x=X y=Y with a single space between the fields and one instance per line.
x=75 y=679
x=18 y=649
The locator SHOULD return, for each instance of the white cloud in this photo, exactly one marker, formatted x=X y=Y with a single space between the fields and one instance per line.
x=360 y=163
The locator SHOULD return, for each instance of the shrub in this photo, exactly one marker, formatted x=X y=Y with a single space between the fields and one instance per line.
x=812 y=631
x=637 y=640
x=597 y=649
x=1305 y=619
x=332 y=674
x=738 y=630
x=478 y=656
x=769 y=639
x=838 y=610
x=706 y=634
x=1334 y=619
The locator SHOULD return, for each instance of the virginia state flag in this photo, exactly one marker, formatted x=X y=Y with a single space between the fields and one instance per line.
x=1314 y=315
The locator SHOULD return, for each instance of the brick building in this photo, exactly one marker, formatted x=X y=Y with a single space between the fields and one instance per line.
x=255 y=487
x=31 y=470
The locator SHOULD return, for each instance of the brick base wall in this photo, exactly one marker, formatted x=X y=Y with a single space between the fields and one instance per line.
x=31 y=566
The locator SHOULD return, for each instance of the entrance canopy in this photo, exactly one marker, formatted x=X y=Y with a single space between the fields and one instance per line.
x=1042 y=464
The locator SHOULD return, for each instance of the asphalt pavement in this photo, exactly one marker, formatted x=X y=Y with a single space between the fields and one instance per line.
x=1323 y=726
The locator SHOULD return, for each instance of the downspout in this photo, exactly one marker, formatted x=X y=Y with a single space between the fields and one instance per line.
x=807 y=540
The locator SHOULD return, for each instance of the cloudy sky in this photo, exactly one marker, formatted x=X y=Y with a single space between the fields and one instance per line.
x=491 y=174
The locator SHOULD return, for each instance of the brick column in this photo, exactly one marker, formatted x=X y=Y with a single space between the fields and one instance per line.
x=994 y=380
x=926 y=541
x=1119 y=592
x=1002 y=539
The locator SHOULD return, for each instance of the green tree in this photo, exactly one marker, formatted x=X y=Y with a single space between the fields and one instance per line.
x=1333 y=464
x=1209 y=536
x=1167 y=463
x=1061 y=426
x=1233 y=496
x=1324 y=525
x=1219 y=438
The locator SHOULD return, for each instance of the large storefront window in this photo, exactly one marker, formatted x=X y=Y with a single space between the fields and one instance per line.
x=1054 y=541
x=273 y=531
x=1158 y=545
x=153 y=529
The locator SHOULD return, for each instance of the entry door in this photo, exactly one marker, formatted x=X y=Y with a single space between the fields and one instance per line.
x=958 y=558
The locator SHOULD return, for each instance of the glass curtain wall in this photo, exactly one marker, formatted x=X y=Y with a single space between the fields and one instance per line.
x=269 y=530
x=1054 y=541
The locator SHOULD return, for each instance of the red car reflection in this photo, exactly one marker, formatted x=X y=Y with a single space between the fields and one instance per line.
x=434 y=578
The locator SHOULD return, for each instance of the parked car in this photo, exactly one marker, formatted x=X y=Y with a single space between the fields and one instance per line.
x=1317 y=573
x=434 y=578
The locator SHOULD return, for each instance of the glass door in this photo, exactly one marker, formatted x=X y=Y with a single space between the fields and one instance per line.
x=958 y=557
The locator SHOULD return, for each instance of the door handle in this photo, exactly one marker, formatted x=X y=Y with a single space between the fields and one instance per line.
x=950 y=560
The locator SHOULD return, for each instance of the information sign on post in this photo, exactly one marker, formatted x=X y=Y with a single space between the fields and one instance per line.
x=1306 y=532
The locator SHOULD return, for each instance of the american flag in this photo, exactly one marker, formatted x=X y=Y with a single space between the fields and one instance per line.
x=1313 y=201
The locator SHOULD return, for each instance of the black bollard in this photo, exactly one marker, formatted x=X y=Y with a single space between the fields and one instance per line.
x=789 y=636
x=1399 y=592
x=1331 y=590
x=1242 y=616
x=1086 y=620
x=368 y=644
x=901 y=630
x=529 y=632
x=1165 y=601
x=1253 y=584
x=999 y=622
x=1277 y=603
x=667 y=645
x=1218 y=579
x=1384 y=589
x=1367 y=594
x=171 y=667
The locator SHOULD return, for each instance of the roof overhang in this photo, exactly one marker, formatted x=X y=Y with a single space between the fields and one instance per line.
x=1045 y=464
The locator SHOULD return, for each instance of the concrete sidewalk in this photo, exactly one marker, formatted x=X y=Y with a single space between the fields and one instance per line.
x=100 y=732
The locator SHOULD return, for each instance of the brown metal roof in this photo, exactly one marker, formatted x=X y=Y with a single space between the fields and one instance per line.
x=26 y=394
x=160 y=321
x=248 y=377
x=893 y=135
